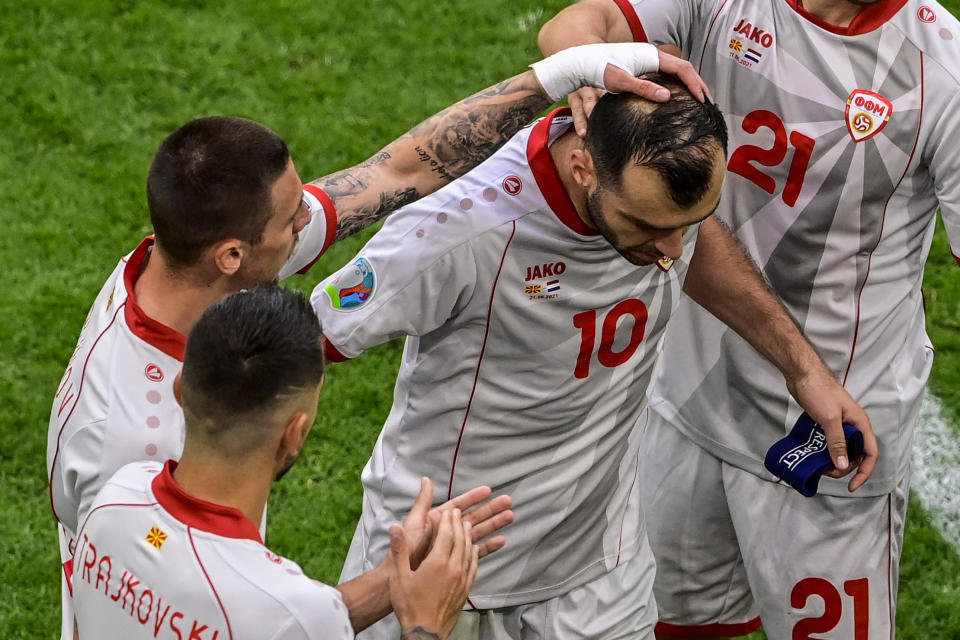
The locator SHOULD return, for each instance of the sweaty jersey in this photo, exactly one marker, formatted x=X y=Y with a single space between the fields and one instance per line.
x=530 y=346
x=155 y=562
x=842 y=146
x=115 y=403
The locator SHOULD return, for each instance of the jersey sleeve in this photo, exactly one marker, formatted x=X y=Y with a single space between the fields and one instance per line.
x=403 y=282
x=945 y=167
x=78 y=474
x=314 y=239
x=664 y=21
x=319 y=614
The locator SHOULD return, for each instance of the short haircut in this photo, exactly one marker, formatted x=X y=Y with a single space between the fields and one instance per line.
x=246 y=357
x=210 y=180
x=677 y=138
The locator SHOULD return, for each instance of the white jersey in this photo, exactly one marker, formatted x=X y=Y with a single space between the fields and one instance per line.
x=842 y=146
x=531 y=345
x=115 y=404
x=154 y=562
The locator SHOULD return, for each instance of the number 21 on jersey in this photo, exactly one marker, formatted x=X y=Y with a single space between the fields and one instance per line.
x=607 y=355
x=743 y=157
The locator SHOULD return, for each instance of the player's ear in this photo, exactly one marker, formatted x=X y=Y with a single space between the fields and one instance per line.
x=581 y=165
x=228 y=255
x=294 y=435
x=178 y=388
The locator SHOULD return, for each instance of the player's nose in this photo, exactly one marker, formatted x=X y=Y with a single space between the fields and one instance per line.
x=671 y=245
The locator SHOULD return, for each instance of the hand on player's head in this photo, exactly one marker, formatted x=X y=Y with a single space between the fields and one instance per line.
x=617 y=80
x=431 y=597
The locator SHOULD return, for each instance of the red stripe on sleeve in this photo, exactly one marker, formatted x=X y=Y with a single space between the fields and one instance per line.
x=957 y=258
x=716 y=629
x=639 y=35
x=330 y=214
x=331 y=353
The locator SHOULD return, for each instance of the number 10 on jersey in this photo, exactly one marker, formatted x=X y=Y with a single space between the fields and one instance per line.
x=587 y=322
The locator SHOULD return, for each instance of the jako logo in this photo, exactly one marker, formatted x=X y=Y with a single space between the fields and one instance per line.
x=545 y=270
x=756 y=34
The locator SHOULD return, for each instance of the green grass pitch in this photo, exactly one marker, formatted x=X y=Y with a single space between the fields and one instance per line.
x=88 y=91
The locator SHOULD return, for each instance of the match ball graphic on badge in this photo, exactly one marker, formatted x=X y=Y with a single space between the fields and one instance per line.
x=867 y=114
x=354 y=287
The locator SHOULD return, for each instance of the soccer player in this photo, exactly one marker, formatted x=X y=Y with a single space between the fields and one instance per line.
x=172 y=549
x=842 y=116
x=534 y=292
x=229 y=211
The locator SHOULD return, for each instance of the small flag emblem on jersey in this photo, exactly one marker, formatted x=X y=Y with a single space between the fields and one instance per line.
x=753 y=55
x=156 y=537
x=736 y=45
x=665 y=263
x=867 y=114
x=553 y=285
x=533 y=288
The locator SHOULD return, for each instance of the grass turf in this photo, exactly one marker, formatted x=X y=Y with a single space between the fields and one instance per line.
x=89 y=91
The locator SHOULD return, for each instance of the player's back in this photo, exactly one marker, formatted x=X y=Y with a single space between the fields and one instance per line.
x=155 y=562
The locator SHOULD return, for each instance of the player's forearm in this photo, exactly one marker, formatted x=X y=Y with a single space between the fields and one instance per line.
x=585 y=22
x=367 y=598
x=724 y=280
x=435 y=152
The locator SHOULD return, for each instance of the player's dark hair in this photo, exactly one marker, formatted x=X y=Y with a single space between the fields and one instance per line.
x=211 y=179
x=677 y=138
x=246 y=356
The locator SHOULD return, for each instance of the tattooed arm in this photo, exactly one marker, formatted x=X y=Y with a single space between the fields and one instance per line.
x=435 y=152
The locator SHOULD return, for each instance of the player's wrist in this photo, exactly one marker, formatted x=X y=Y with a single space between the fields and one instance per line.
x=584 y=65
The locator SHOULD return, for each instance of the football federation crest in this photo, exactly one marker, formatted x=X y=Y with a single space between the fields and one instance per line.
x=665 y=263
x=867 y=114
x=156 y=537
x=354 y=287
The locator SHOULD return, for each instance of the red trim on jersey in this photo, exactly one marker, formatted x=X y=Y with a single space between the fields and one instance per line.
x=154 y=333
x=636 y=472
x=83 y=376
x=207 y=516
x=716 y=629
x=206 y=575
x=870 y=18
x=330 y=214
x=883 y=219
x=545 y=173
x=331 y=353
x=476 y=375
x=957 y=258
x=890 y=562
x=68 y=575
x=639 y=35
x=706 y=41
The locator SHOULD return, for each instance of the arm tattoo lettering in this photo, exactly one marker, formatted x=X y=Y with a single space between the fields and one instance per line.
x=432 y=154
x=418 y=633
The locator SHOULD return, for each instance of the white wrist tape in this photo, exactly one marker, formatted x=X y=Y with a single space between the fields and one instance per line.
x=583 y=66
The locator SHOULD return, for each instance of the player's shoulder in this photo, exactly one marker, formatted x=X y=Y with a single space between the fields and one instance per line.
x=935 y=31
x=135 y=478
x=280 y=585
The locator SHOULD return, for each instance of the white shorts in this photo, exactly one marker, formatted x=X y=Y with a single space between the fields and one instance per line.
x=617 y=605
x=733 y=548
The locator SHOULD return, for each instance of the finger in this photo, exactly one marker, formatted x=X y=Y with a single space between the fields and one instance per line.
x=466 y=547
x=581 y=104
x=488 y=510
x=486 y=527
x=466 y=500
x=422 y=504
x=681 y=68
x=871 y=453
x=487 y=547
x=472 y=567
x=619 y=81
x=399 y=554
x=443 y=543
x=836 y=444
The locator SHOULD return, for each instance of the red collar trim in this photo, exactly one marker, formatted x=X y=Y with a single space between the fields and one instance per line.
x=869 y=19
x=200 y=514
x=154 y=333
x=547 y=177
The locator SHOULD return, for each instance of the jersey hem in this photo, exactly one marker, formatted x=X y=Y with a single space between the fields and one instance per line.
x=725 y=629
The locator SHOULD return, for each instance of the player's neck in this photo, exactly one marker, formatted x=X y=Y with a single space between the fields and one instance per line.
x=560 y=152
x=243 y=486
x=836 y=12
x=171 y=299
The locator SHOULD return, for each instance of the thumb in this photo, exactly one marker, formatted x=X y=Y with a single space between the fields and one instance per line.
x=836 y=444
x=399 y=553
